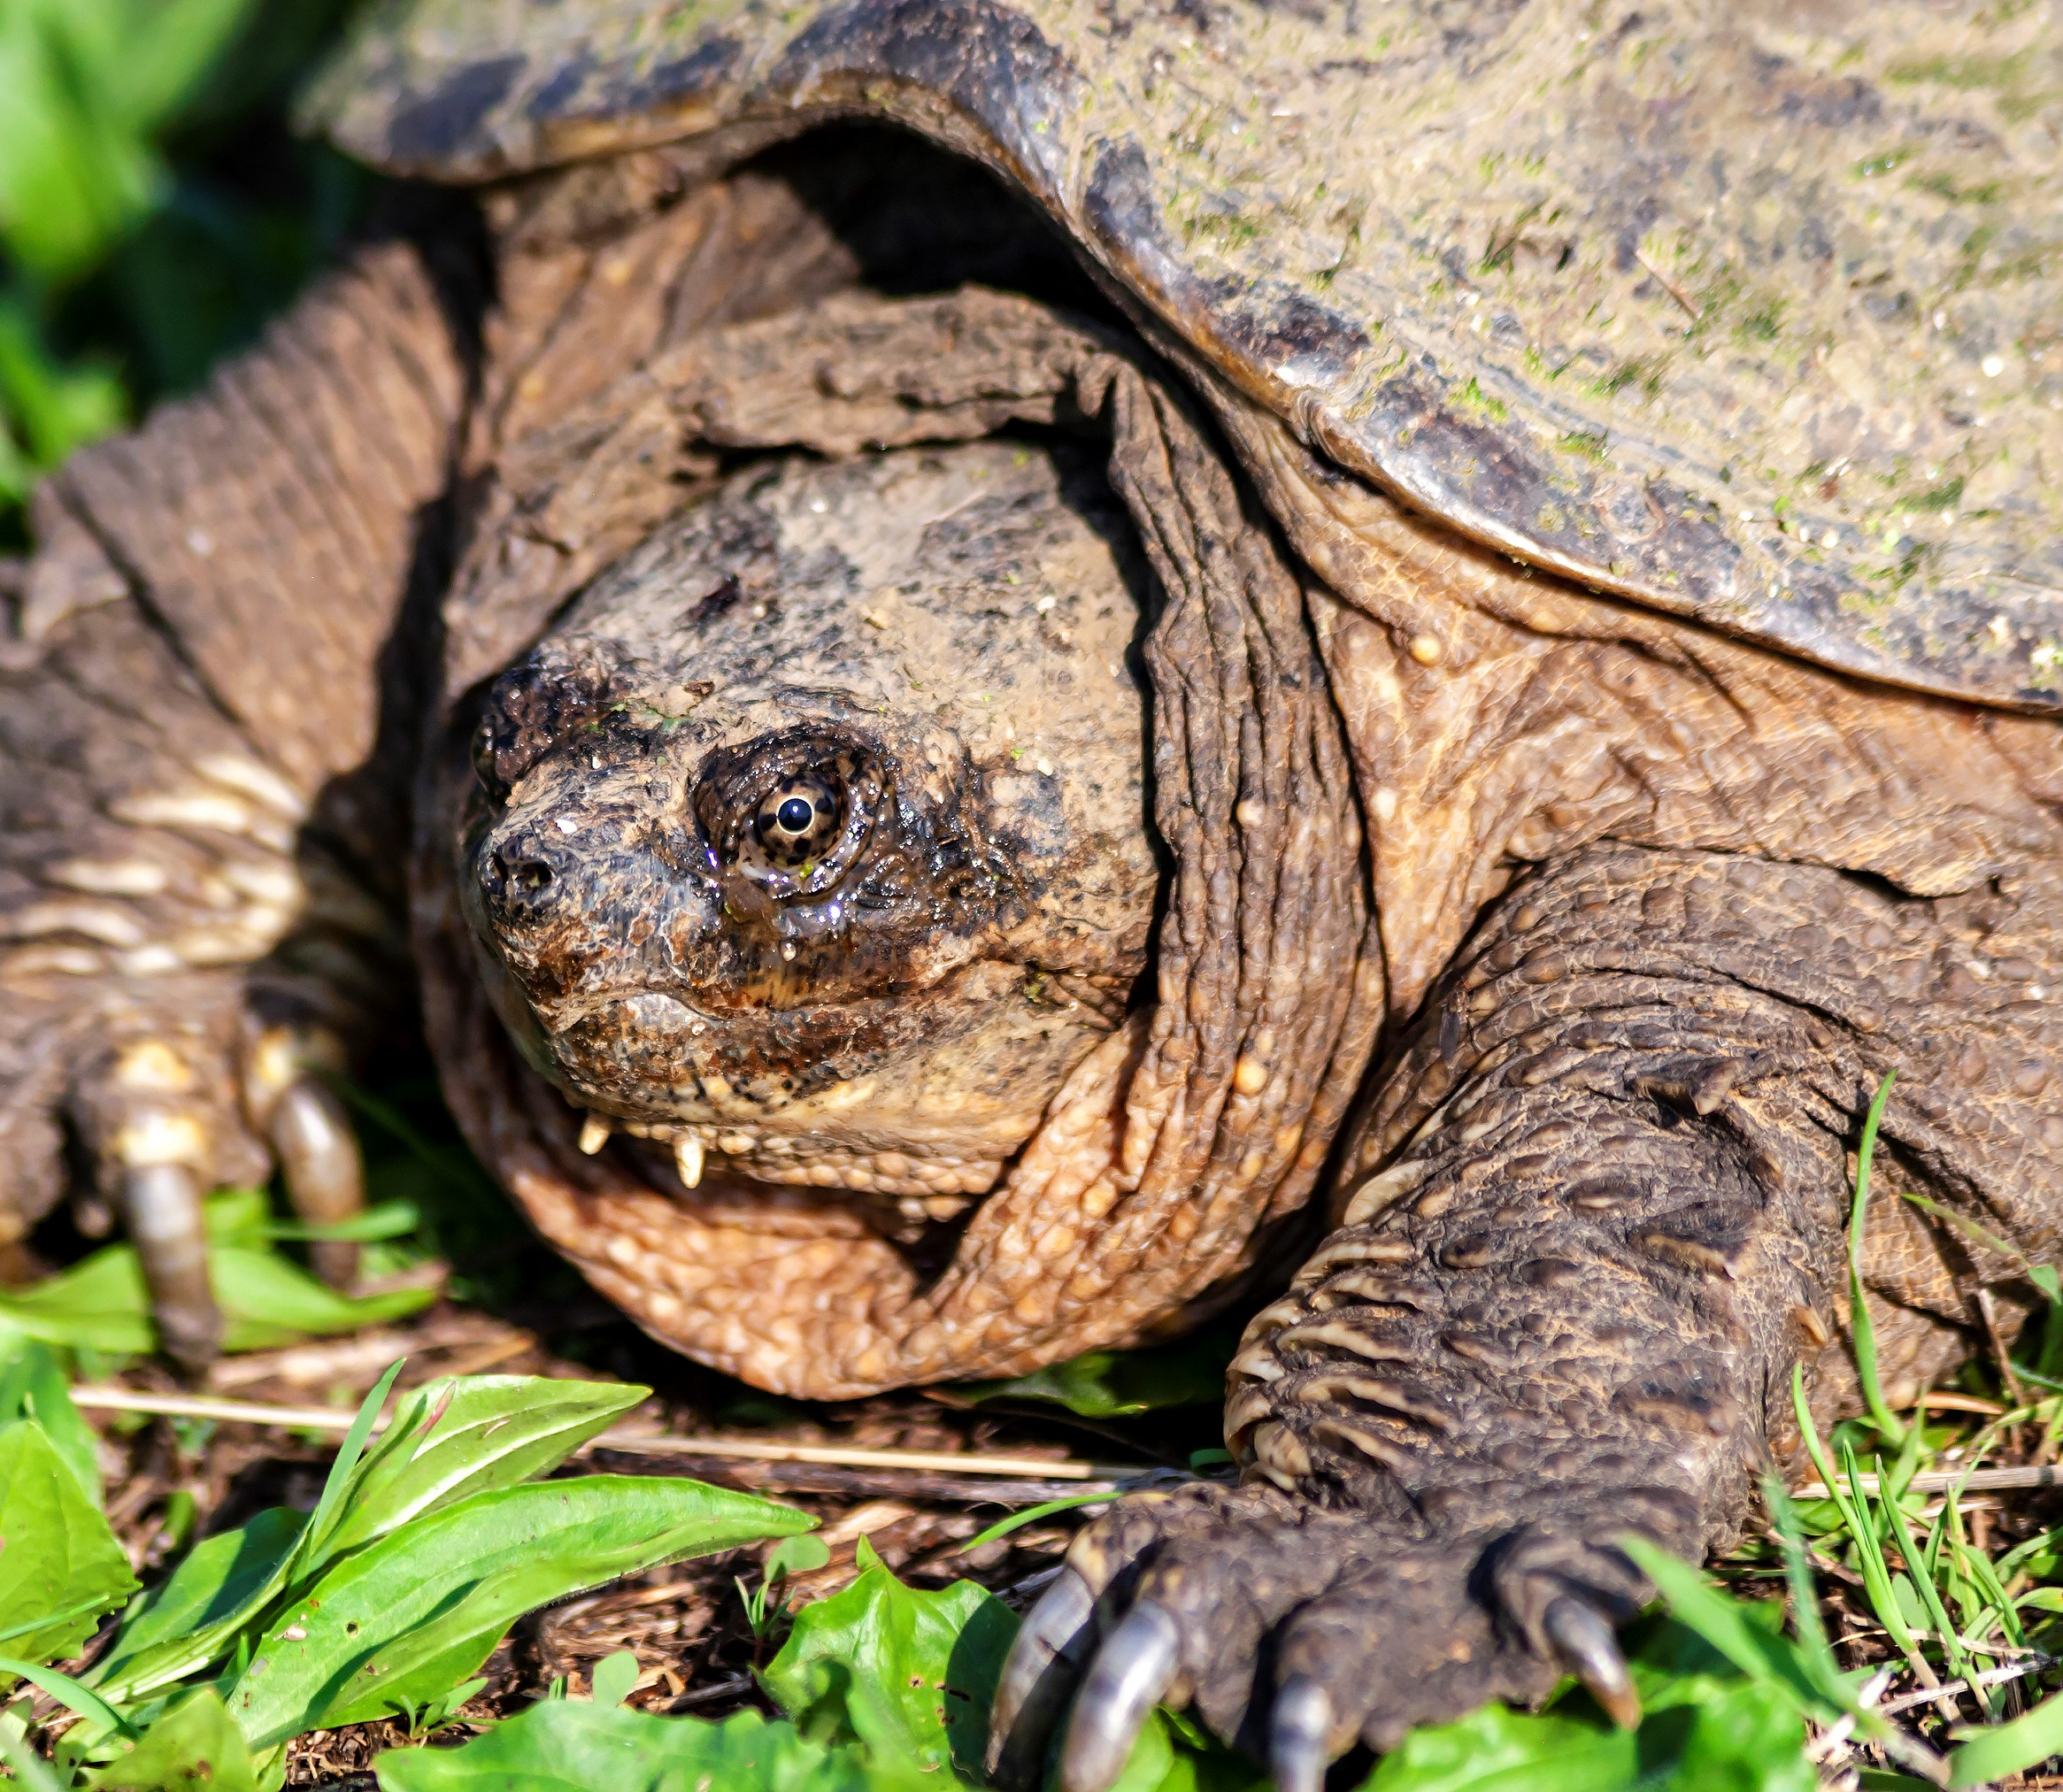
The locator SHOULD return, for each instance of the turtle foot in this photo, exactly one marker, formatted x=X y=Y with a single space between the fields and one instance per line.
x=1295 y=1631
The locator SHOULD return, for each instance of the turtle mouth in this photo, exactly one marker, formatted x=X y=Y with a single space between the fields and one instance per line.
x=913 y=1191
x=913 y=1111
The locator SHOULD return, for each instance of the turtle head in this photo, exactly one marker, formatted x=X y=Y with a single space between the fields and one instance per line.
x=814 y=842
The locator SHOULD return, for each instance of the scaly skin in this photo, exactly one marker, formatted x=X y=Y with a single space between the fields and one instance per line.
x=1598 y=1213
x=1648 y=912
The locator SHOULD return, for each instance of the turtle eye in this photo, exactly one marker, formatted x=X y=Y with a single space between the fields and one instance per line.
x=800 y=821
x=790 y=814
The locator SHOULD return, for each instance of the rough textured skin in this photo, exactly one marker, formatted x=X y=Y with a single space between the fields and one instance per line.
x=1159 y=1172
x=1629 y=911
x=1606 y=1218
x=191 y=791
x=928 y=652
x=1744 y=310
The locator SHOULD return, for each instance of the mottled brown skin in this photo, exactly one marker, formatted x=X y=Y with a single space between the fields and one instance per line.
x=1605 y=926
x=931 y=651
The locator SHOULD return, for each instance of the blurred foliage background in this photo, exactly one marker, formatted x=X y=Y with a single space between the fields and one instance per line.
x=154 y=207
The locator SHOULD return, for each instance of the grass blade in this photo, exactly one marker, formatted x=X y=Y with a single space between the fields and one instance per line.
x=1862 y=1334
x=1876 y=1573
x=1993 y=1754
x=24 y=1763
x=316 y=1533
x=1922 y=1580
x=1805 y=1595
x=68 y=1693
x=1031 y=1515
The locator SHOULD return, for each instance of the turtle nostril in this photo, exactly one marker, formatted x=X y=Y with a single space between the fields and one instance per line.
x=522 y=873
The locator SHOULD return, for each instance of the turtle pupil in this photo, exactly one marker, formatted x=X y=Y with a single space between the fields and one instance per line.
x=796 y=814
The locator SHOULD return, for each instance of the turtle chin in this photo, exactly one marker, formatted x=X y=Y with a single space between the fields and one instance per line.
x=918 y=1108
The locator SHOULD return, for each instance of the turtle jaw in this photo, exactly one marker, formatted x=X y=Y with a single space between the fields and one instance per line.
x=924 y=1099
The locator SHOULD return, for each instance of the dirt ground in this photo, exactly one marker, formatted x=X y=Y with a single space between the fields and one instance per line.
x=686 y=1623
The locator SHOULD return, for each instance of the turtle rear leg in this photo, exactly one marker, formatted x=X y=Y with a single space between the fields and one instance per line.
x=1596 y=1213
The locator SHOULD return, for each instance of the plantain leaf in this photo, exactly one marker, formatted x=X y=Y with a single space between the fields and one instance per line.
x=567 y=1745
x=452 y=1439
x=399 y=1623
x=33 y=1386
x=457 y=1438
x=191 y=1619
x=60 y=1567
x=267 y=1301
x=2008 y=1748
x=1707 y=1728
x=194 y=1745
x=907 y=1674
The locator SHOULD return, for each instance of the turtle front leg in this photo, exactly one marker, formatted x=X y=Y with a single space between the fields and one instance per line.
x=199 y=796
x=1609 y=1178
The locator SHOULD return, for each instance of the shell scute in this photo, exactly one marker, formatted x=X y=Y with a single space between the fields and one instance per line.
x=1749 y=313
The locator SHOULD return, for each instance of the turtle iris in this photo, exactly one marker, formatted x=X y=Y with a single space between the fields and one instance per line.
x=789 y=813
x=798 y=821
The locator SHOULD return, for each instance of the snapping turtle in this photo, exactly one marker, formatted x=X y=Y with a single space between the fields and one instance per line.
x=1014 y=670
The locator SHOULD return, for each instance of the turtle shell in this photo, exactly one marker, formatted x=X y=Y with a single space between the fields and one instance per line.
x=1749 y=311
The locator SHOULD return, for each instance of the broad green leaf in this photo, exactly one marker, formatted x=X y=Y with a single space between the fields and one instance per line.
x=801 y=1554
x=488 y=1432
x=1742 y=1738
x=457 y=1438
x=71 y=178
x=397 y=1623
x=1106 y=1384
x=267 y=1301
x=908 y=1673
x=1500 y=1749
x=60 y=1567
x=194 y=1745
x=2010 y=1749
x=33 y=1386
x=191 y=1620
x=97 y=1305
x=175 y=41
x=568 y=1745
x=613 y=1678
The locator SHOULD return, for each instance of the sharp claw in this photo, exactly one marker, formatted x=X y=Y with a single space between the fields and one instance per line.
x=162 y=1206
x=1584 y=1637
x=326 y=1177
x=1132 y=1670
x=1300 y=1736
x=1031 y=1690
